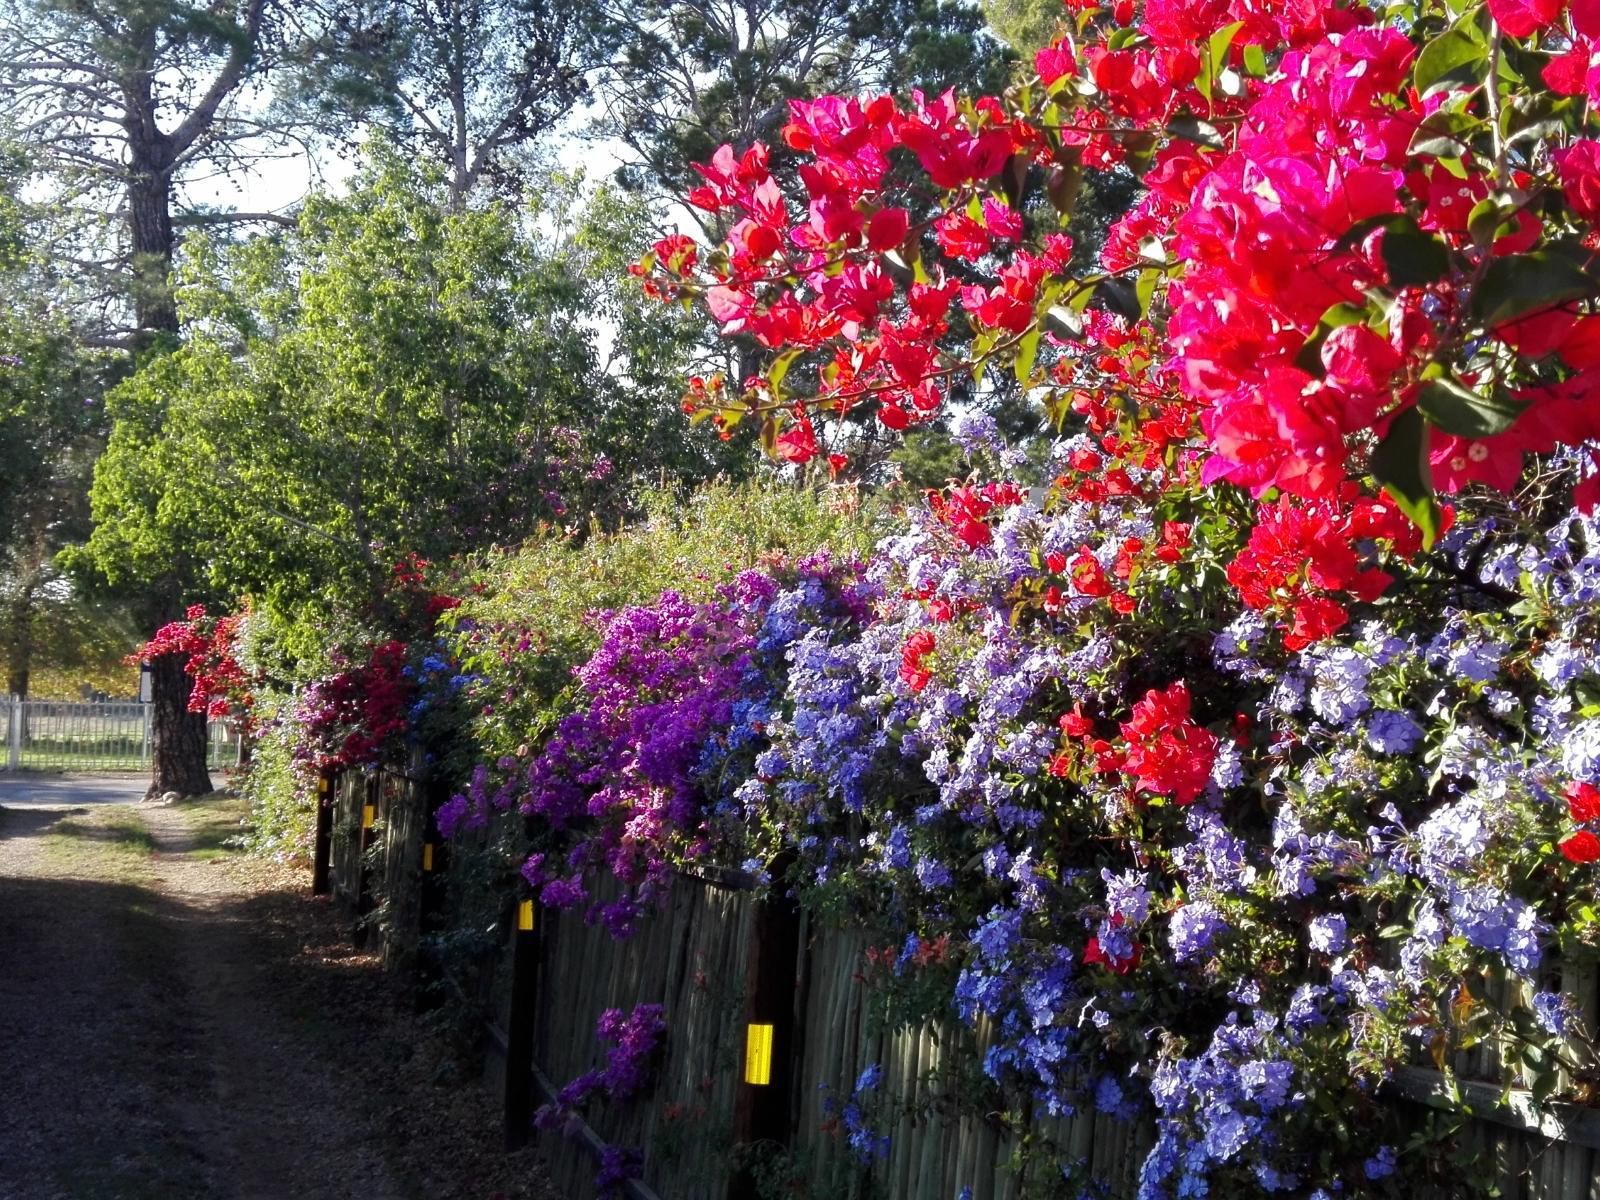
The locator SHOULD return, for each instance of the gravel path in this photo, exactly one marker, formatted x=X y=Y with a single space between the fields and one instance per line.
x=177 y=1022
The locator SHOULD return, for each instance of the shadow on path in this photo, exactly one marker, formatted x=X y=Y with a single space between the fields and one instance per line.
x=181 y=1027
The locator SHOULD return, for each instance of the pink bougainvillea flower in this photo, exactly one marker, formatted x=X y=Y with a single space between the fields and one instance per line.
x=1521 y=18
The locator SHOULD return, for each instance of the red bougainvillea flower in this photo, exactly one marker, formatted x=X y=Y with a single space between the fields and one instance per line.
x=912 y=671
x=1168 y=754
x=798 y=443
x=1583 y=802
x=1088 y=576
x=1582 y=847
x=1094 y=953
x=1300 y=554
x=1074 y=724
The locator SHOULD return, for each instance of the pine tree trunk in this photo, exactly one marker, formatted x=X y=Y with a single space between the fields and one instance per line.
x=178 y=752
x=150 y=230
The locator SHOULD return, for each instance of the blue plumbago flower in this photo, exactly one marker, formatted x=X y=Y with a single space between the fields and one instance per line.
x=1339 y=689
x=974 y=431
x=869 y=1078
x=1561 y=662
x=1305 y=1007
x=1492 y=920
x=931 y=873
x=1555 y=1011
x=1127 y=895
x=1390 y=732
x=1193 y=928
x=1108 y=1097
x=1228 y=770
x=1380 y=1165
x=1328 y=933
x=1580 y=752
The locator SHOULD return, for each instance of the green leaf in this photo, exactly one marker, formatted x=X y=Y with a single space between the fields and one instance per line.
x=779 y=368
x=1413 y=258
x=1400 y=464
x=1459 y=410
x=1309 y=359
x=1255 y=60
x=1063 y=321
x=1062 y=187
x=1483 y=223
x=1454 y=56
x=1519 y=284
x=1192 y=129
x=1215 y=57
x=1027 y=352
x=1120 y=297
x=1145 y=289
x=1446 y=134
x=1122 y=38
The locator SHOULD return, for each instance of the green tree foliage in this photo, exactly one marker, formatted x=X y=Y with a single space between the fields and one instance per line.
x=1024 y=25
x=469 y=84
x=647 y=349
x=393 y=377
x=51 y=426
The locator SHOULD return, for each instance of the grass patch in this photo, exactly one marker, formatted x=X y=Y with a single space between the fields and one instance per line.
x=218 y=825
x=110 y=843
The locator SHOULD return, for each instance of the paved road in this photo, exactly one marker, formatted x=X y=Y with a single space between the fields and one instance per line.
x=29 y=789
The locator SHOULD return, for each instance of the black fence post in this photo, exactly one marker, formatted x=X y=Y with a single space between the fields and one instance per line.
x=519 y=1027
x=763 y=1108
x=431 y=894
x=322 y=847
x=369 y=818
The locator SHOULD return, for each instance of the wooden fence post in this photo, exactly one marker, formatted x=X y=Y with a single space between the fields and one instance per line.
x=369 y=817
x=519 y=1027
x=322 y=847
x=431 y=893
x=763 y=1108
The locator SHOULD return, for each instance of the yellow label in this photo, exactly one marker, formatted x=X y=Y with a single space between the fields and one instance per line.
x=758 y=1056
x=369 y=814
x=322 y=783
x=427 y=856
x=525 y=915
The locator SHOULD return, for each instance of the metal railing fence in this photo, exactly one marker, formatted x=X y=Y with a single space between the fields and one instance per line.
x=102 y=735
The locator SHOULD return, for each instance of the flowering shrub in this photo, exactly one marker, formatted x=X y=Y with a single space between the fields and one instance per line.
x=1228 y=763
x=365 y=710
x=1368 y=245
x=1235 y=762
x=349 y=718
x=222 y=686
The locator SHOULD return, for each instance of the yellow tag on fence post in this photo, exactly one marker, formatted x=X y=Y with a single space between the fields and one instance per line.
x=322 y=784
x=369 y=814
x=758 y=1056
x=525 y=916
x=427 y=856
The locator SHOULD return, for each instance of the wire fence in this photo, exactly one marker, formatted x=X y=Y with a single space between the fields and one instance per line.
x=105 y=735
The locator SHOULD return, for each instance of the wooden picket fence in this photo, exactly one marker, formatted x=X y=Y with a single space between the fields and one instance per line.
x=722 y=958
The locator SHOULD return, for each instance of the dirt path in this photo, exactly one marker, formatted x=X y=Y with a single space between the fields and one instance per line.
x=177 y=1022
